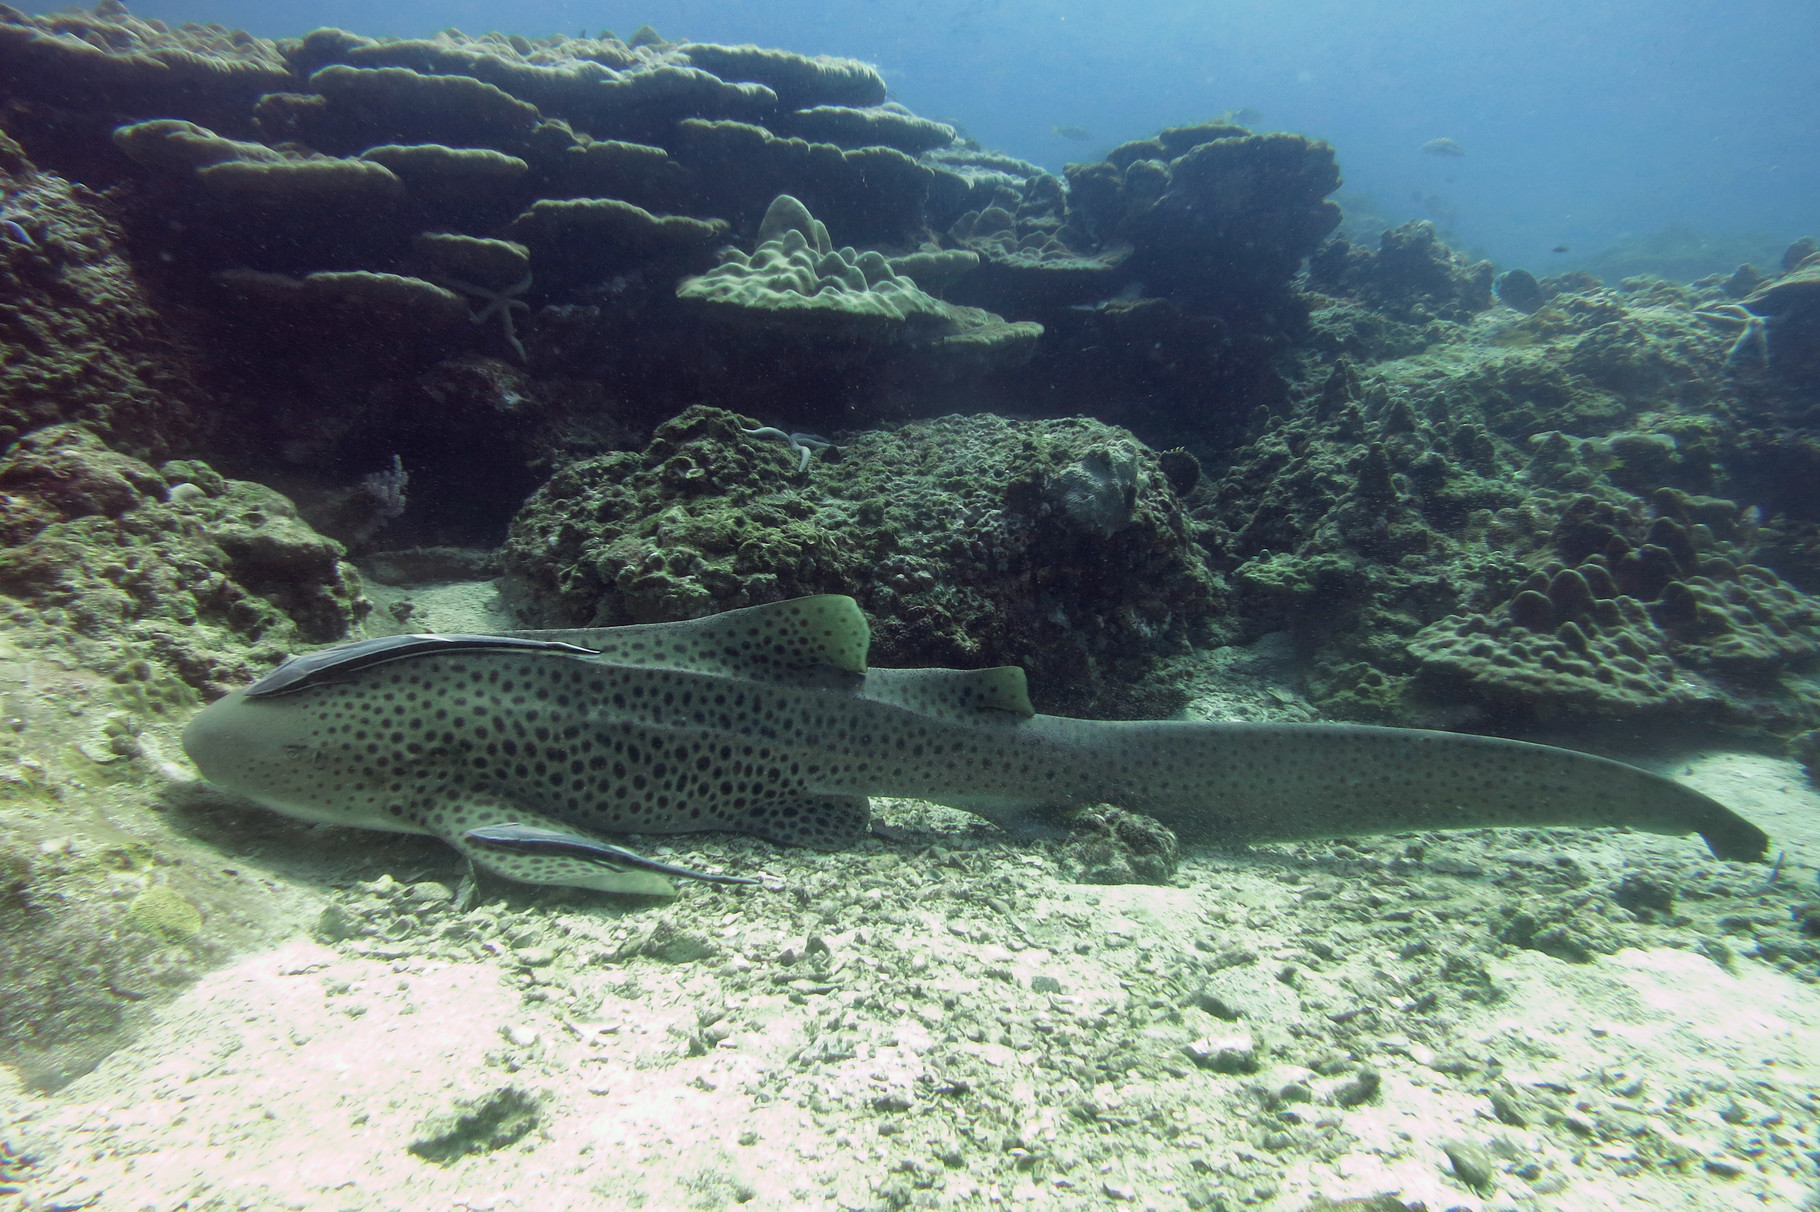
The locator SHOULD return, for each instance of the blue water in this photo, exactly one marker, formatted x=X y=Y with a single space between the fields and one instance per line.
x=1584 y=122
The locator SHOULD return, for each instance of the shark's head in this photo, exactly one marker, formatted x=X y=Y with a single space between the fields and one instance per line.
x=274 y=752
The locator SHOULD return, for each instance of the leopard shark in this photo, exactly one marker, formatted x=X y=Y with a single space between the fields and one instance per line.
x=527 y=751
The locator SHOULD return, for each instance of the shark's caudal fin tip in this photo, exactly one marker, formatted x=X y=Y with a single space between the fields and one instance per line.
x=1736 y=840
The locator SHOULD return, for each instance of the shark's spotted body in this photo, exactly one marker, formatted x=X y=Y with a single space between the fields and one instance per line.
x=519 y=750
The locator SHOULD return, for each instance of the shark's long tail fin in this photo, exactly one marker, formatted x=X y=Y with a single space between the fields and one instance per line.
x=1278 y=782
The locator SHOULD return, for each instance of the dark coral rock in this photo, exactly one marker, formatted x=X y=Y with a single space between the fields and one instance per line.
x=1223 y=223
x=1790 y=305
x=1518 y=288
x=1107 y=845
x=970 y=541
x=79 y=73
x=1411 y=274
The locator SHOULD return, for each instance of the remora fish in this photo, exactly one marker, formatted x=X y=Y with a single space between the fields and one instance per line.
x=519 y=749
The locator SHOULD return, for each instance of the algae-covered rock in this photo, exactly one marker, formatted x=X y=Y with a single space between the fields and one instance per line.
x=80 y=338
x=1107 y=845
x=82 y=955
x=1650 y=627
x=1791 y=305
x=1412 y=276
x=481 y=1124
x=76 y=73
x=887 y=125
x=1031 y=257
x=869 y=194
x=795 y=281
x=632 y=172
x=372 y=105
x=238 y=171
x=970 y=541
x=165 y=911
x=372 y=319
x=1414 y=524
x=797 y=301
x=207 y=578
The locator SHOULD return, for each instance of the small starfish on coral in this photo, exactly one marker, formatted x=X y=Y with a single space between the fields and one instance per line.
x=498 y=303
x=1752 y=344
x=805 y=444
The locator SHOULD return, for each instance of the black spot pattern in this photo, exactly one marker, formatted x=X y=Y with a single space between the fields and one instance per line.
x=668 y=734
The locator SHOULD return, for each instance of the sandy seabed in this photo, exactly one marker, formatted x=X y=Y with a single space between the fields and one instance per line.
x=942 y=1018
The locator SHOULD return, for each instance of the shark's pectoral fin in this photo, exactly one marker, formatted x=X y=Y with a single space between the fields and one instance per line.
x=821 y=822
x=523 y=848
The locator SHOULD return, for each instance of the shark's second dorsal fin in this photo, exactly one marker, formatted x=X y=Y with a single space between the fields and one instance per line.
x=954 y=694
x=779 y=641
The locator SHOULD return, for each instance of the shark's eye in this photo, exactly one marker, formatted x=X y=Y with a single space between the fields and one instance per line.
x=297 y=752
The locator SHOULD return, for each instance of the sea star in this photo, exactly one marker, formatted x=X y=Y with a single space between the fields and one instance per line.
x=1753 y=340
x=805 y=444
x=498 y=303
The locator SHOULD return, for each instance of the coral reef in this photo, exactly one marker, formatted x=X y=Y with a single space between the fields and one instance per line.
x=1524 y=523
x=1056 y=545
x=300 y=216
x=481 y=261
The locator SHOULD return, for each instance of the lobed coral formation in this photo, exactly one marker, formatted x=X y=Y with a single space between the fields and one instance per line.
x=798 y=300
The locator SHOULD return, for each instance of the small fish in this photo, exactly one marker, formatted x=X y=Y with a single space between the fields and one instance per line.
x=1079 y=134
x=520 y=750
x=1560 y=248
x=1443 y=147
x=1244 y=116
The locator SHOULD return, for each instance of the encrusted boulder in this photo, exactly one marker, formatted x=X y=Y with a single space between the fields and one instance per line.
x=209 y=578
x=970 y=541
x=1411 y=275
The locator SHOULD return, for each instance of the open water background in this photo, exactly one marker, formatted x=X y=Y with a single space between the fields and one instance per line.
x=1585 y=122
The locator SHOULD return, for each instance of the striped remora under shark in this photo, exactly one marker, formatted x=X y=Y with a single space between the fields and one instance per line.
x=520 y=750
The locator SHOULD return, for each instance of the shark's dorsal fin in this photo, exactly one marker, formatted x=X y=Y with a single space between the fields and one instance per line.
x=954 y=694
x=779 y=641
